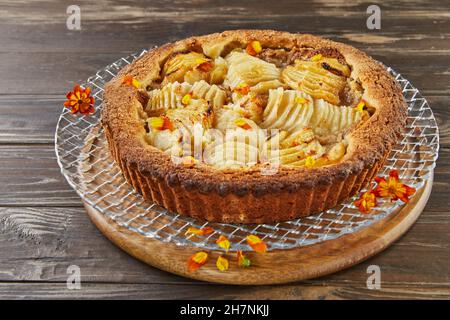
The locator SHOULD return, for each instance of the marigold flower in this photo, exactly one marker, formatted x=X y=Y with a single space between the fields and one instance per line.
x=80 y=100
x=197 y=260
x=256 y=243
x=366 y=201
x=253 y=48
x=393 y=188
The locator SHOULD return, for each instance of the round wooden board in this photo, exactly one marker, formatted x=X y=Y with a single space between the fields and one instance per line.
x=277 y=266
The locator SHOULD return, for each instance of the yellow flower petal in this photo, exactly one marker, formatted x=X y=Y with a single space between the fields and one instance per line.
x=310 y=162
x=256 y=243
x=186 y=99
x=301 y=100
x=223 y=243
x=243 y=261
x=199 y=232
x=316 y=57
x=242 y=123
x=222 y=263
x=253 y=48
x=156 y=122
x=197 y=260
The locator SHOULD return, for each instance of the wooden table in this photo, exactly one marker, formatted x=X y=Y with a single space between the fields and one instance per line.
x=44 y=228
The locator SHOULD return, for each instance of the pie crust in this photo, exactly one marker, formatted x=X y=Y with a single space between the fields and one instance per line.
x=245 y=195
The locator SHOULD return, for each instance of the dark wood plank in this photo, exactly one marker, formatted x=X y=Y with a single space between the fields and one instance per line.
x=29 y=175
x=202 y=292
x=56 y=73
x=29 y=120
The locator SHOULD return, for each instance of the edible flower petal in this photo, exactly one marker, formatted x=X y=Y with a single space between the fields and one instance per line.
x=316 y=57
x=393 y=188
x=361 y=106
x=199 y=232
x=131 y=81
x=242 y=89
x=253 y=48
x=256 y=243
x=366 y=201
x=222 y=263
x=186 y=99
x=80 y=100
x=242 y=123
x=160 y=123
x=301 y=100
x=223 y=242
x=310 y=162
x=197 y=260
x=243 y=261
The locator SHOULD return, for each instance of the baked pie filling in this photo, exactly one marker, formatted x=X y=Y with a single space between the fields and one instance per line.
x=254 y=105
x=252 y=126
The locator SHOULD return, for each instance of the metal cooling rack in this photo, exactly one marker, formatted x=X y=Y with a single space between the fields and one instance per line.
x=84 y=159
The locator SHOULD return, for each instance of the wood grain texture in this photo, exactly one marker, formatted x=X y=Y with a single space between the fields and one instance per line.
x=273 y=267
x=43 y=226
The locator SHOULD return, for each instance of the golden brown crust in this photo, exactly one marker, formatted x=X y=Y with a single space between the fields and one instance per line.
x=245 y=195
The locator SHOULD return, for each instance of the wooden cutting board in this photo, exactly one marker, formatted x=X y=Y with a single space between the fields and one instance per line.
x=276 y=266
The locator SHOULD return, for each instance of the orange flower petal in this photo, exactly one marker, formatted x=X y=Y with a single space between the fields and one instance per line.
x=222 y=263
x=199 y=232
x=310 y=162
x=79 y=100
x=204 y=65
x=243 y=261
x=256 y=243
x=160 y=123
x=131 y=81
x=242 y=89
x=197 y=260
x=361 y=106
x=186 y=99
x=366 y=201
x=223 y=242
x=392 y=188
x=242 y=123
x=253 y=48
x=316 y=57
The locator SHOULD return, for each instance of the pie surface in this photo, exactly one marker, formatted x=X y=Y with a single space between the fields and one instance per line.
x=264 y=125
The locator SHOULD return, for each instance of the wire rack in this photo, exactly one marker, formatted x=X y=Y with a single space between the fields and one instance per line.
x=83 y=156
